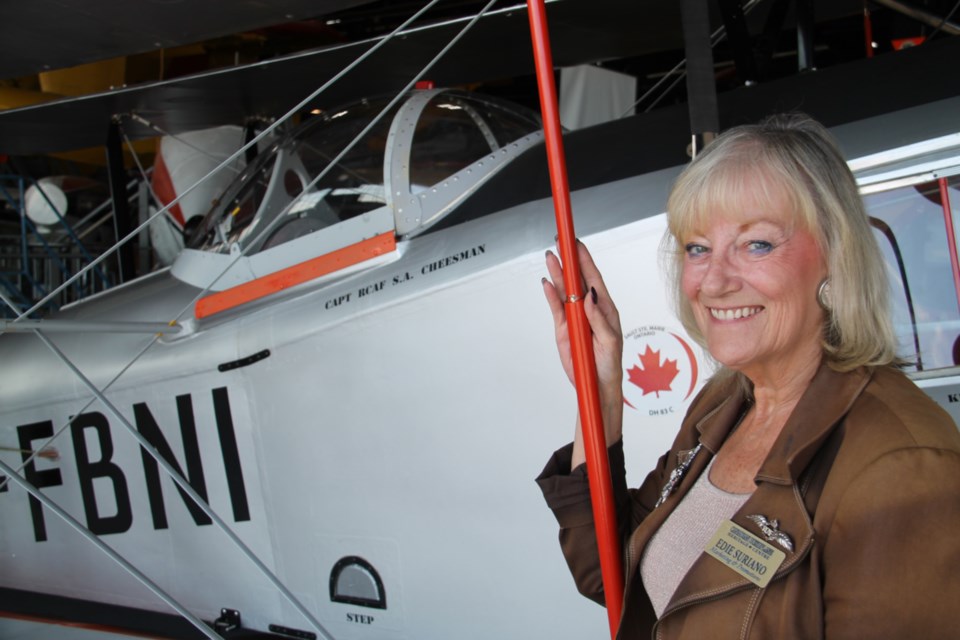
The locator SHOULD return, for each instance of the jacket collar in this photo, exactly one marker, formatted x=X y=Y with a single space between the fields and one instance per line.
x=718 y=413
x=822 y=405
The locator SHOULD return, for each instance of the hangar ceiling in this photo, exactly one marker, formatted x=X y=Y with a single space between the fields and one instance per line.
x=41 y=35
x=191 y=64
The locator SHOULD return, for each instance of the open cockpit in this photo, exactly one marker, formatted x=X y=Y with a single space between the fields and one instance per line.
x=348 y=184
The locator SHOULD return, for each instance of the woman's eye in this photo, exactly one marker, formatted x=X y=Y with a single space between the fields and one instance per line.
x=759 y=246
x=693 y=250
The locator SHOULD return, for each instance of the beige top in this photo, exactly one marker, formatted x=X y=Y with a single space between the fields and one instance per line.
x=684 y=535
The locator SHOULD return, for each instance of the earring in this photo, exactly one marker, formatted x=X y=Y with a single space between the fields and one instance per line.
x=823 y=295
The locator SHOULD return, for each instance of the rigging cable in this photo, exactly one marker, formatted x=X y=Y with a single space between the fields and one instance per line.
x=113 y=555
x=946 y=19
x=136 y=117
x=187 y=488
x=253 y=141
x=98 y=394
x=306 y=189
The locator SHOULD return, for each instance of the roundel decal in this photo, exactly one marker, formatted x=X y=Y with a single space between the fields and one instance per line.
x=660 y=370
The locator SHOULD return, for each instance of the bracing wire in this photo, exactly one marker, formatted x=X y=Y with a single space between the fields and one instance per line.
x=14 y=475
x=945 y=20
x=336 y=159
x=187 y=488
x=236 y=154
x=49 y=441
x=98 y=393
x=270 y=227
x=163 y=132
x=113 y=555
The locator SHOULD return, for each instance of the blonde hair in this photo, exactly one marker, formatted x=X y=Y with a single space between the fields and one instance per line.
x=795 y=156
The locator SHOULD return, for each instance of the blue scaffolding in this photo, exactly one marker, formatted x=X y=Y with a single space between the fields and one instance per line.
x=41 y=261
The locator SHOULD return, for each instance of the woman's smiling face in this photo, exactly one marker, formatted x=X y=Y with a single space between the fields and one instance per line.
x=751 y=274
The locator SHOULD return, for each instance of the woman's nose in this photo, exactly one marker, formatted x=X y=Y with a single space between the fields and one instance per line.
x=720 y=276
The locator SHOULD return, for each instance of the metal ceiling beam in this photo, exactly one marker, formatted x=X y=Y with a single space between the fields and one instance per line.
x=766 y=44
x=42 y=35
x=123 y=223
x=805 y=27
x=701 y=77
x=740 y=40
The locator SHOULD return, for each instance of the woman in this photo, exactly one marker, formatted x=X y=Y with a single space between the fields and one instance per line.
x=841 y=477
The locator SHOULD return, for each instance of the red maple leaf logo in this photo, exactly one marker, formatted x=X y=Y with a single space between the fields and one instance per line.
x=653 y=377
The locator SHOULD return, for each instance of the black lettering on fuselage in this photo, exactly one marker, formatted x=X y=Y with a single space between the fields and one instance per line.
x=231 y=455
x=26 y=434
x=148 y=427
x=359 y=618
x=150 y=430
x=88 y=470
x=91 y=472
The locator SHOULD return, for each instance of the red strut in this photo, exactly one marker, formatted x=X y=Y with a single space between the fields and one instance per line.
x=951 y=234
x=581 y=342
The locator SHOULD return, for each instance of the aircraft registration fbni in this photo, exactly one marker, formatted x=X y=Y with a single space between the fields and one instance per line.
x=745 y=553
x=96 y=465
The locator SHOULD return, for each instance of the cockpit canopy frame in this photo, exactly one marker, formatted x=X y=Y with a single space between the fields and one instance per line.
x=352 y=174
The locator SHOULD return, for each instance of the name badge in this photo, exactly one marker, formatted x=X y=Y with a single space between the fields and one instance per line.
x=745 y=553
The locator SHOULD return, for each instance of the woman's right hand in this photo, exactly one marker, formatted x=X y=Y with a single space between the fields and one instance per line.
x=606 y=336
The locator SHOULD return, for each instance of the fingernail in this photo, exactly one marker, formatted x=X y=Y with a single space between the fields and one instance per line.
x=593 y=295
x=543 y=281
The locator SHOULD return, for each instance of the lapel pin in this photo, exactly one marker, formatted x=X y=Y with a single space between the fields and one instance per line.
x=771 y=531
x=684 y=459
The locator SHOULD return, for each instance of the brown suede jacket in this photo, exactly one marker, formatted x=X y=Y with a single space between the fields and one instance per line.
x=865 y=478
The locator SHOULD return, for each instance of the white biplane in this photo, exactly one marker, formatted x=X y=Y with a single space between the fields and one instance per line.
x=323 y=420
